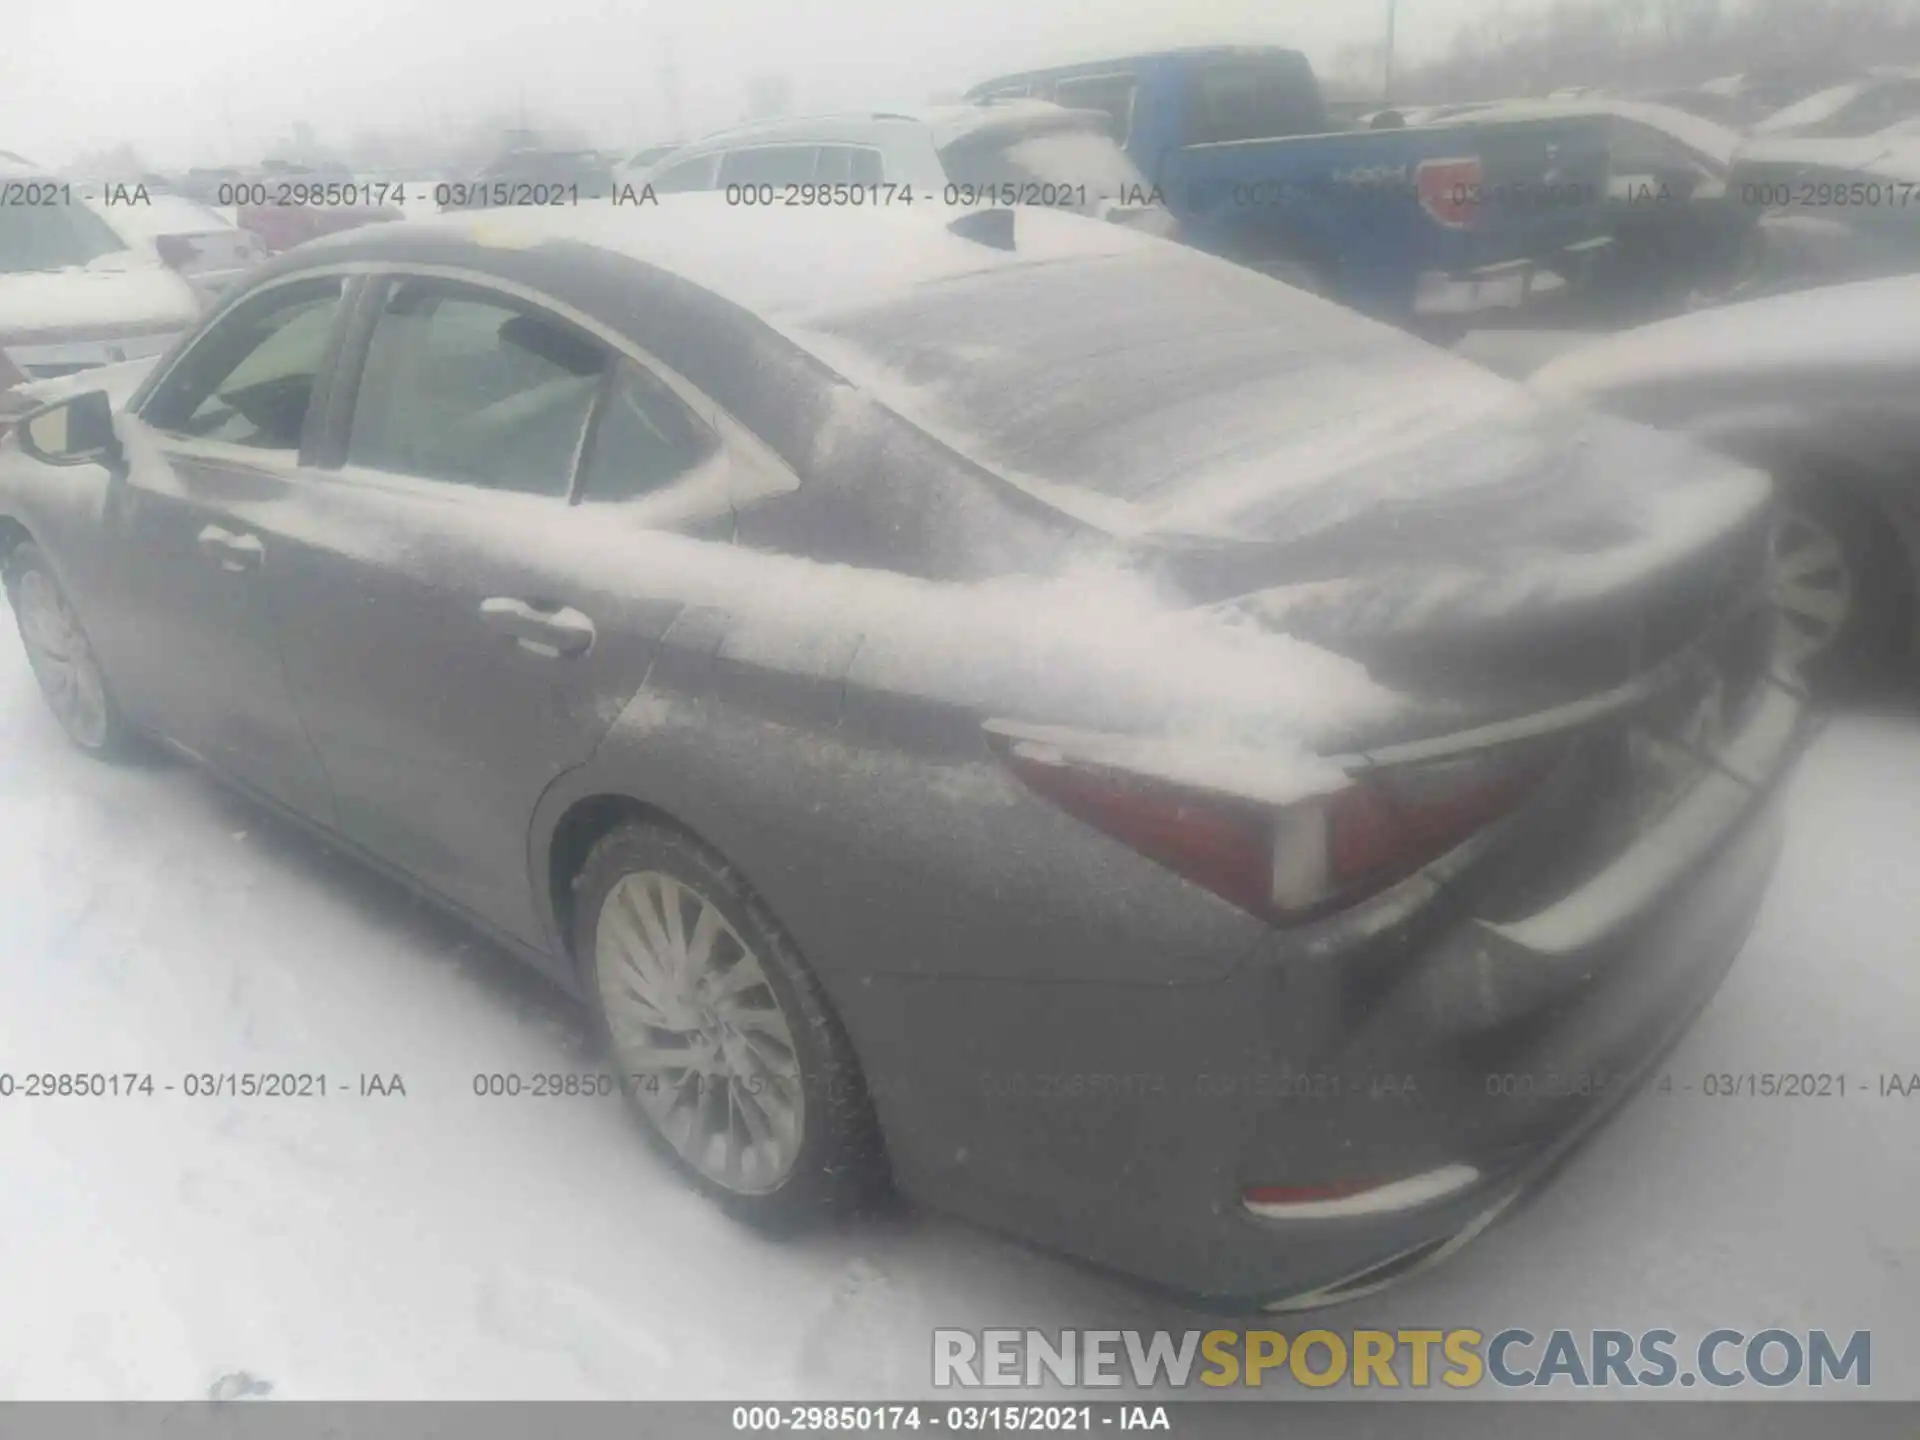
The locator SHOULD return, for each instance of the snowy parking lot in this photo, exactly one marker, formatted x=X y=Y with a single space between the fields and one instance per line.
x=438 y=1244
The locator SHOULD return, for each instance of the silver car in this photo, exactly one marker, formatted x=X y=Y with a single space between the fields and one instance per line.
x=1018 y=151
x=1125 y=751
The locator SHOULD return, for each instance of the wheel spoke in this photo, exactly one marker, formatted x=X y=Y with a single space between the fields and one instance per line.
x=674 y=923
x=692 y=1015
x=744 y=975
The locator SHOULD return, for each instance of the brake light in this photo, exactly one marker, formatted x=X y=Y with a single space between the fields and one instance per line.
x=1449 y=190
x=1290 y=862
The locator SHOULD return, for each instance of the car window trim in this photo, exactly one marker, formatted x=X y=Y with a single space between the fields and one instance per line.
x=378 y=290
x=759 y=469
x=857 y=147
x=1133 y=90
x=311 y=432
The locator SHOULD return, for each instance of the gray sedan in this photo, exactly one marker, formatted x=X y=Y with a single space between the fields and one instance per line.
x=1817 y=387
x=1000 y=704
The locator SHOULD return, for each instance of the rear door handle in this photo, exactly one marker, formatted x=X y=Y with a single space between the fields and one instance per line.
x=232 y=552
x=552 y=633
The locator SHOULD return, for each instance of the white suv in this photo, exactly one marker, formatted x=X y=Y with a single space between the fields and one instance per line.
x=989 y=153
x=74 y=293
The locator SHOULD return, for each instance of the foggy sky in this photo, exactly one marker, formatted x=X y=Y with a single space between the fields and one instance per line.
x=215 y=81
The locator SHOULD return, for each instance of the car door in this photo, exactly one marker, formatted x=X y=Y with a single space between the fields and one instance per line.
x=460 y=621
x=213 y=451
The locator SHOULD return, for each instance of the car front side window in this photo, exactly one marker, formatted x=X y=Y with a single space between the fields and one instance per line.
x=251 y=379
x=464 y=386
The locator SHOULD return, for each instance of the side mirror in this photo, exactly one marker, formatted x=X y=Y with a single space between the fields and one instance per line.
x=76 y=431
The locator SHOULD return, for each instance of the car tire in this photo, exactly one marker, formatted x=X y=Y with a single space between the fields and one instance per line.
x=62 y=657
x=1842 y=591
x=767 y=1037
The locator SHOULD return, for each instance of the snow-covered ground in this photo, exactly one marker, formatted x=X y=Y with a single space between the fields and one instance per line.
x=442 y=1245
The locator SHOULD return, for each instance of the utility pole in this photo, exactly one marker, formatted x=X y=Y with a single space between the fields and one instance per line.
x=670 y=90
x=1386 y=84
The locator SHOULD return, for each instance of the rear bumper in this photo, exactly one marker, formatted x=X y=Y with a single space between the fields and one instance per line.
x=1448 y=1069
x=1509 y=286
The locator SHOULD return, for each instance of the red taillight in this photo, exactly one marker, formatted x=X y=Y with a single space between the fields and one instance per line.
x=1223 y=844
x=1449 y=190
x=1283 y=862
x=1377 y=832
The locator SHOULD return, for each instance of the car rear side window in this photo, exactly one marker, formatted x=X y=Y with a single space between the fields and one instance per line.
x=1254 y=99
x=769 y=165
x=848 y=165
x=250 y=379
x=643 y=440
x=473 y=388
x=696 y=174
x=1110 y=94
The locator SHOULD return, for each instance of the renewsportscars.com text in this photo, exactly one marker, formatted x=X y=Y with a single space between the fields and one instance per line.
x=1458 y=1359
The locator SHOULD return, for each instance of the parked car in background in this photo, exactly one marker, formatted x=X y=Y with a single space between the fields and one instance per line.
x=288 y=204
x=1714 y=105
x=210 y=185
x=530 y=176
x=1753 y=95
x=1409 y=224
x=194 y=240
x=951 y=657
x=633 y=167
x=1857 y=107
x=1679 y=229
x=978 y=155
x=74 y=292
x=1819 y=389
x=1831 y=210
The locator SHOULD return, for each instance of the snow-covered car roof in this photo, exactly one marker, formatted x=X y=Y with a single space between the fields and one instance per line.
x=1824 y=104
x=1714 y=141
x=1890 y=155
x=1865 y=324
x=945 y=123
x=787 y=261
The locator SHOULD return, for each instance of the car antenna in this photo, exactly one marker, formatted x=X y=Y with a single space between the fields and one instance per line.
x=986 y=227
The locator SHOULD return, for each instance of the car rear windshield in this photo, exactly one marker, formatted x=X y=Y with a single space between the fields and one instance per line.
x=1070 y=153
x=1124 y=376
x=52 y=237
x=1254 y=98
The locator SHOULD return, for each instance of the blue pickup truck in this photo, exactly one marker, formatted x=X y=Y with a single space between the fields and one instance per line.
x=1419 y=224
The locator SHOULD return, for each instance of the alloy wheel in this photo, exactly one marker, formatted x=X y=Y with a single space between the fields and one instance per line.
x=699 y=1035
x=62 y=660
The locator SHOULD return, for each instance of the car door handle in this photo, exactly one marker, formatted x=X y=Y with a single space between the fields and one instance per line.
x=552 y=633
x=230 y=551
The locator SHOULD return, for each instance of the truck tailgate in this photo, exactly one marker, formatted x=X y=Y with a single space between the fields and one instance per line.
x=1378 y=207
